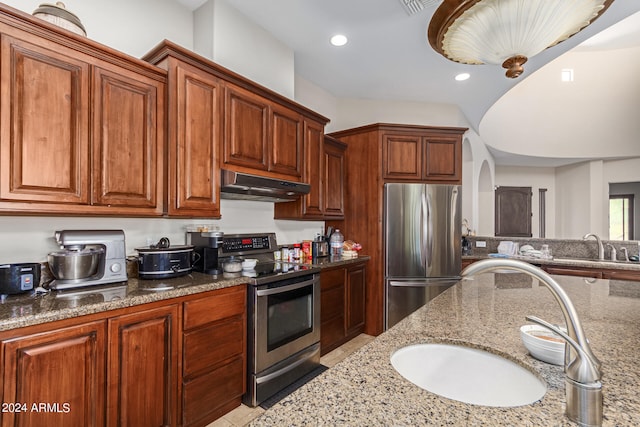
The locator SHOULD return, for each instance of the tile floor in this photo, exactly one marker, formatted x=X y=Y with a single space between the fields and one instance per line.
x=243 y=415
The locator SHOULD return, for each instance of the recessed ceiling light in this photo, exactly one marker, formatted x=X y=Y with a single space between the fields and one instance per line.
x=462 y=76
x=566 y=75
x=339 y=40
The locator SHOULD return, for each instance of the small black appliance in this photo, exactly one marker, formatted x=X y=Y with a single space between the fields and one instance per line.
x=207 y=246
x=19 y=278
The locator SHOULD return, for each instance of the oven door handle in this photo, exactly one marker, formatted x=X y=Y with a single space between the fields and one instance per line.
x=286 y=369
x=265 y=292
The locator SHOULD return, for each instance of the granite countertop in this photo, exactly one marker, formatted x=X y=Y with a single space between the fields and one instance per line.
x=485 y=312
x=17 y=311
x=571 y=262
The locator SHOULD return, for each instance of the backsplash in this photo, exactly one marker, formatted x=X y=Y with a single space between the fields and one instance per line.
x=31 y=238
x=561 y=248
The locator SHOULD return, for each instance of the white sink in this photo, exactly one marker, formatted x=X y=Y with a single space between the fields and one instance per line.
x=468 y=375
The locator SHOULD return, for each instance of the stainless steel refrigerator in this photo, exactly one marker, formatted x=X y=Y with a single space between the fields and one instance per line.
x=422 y=245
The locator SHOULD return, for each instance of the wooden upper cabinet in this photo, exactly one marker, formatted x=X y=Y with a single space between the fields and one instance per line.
x=128 y=140
x=324 y=170
x=195 y=125
x=313 y=203
x=422 y=156
x=246 y=141
x=286 y=142
x=44 y=123
x=333 y=178
x=81 y=130
x=442 y=158
x=64 y=367
x=402 y=156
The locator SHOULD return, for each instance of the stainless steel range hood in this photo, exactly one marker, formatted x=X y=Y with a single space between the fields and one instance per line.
x=236 y=185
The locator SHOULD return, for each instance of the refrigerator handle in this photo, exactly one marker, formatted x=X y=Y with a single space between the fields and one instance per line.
x=437 y=281
x=429 y=254
x=424 y=230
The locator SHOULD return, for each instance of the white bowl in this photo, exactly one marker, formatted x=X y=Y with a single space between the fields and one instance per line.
x=249 y=263
x=543 y=344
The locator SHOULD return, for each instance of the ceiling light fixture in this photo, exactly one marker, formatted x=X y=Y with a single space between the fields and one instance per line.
x=462 y=77
x=507 y=32
x=339 y=40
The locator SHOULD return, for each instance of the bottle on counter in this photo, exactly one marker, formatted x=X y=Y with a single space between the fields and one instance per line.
x=284 y=254
x=297 y=250
x=335 y=243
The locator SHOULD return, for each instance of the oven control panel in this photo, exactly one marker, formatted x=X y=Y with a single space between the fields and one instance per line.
x=248 y=243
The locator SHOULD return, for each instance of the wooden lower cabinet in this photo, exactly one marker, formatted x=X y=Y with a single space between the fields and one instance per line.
x=168 y=363
x=143 y=368
x=55 y=378
x=214 y=361
x=342 y=307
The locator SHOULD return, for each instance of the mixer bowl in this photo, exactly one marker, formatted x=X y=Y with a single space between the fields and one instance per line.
x=75 y=265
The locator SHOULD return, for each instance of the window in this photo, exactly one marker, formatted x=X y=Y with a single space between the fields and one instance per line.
x=621 y=217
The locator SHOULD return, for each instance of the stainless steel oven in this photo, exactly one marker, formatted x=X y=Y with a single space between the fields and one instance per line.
x=283 y=342
x=284 y=334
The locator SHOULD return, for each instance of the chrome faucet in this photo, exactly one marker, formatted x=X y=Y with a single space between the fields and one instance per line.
x=582 y=369
x=625 y=253
x=600 y=246
x=613 y=252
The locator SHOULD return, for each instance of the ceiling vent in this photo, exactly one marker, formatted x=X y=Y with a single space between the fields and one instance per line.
x=415 y=6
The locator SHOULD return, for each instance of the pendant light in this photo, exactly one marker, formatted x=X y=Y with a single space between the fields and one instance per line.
x=507 y=32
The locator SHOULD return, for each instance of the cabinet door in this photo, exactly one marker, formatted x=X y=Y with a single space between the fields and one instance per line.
x=313 y=171
x=63 y=369
x=621 y=275
x=143 y=368
x=356 y=283
x=573 y=271
x=332 y=309
x=402 y=156
x=44 y=123
x=333 y=182
x=442 y=158
x=286 y=148
x=246 y=129
x=195 y=128
x=128 y=140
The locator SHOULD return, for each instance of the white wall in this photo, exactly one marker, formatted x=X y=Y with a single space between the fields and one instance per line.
x=132 y=27
x=241 y=46
x=573 y=202
x=536 y=178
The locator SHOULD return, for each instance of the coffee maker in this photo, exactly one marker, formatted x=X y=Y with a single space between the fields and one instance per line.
x=104 y=250
x=207 y=245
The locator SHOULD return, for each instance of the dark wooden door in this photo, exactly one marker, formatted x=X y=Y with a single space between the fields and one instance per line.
x=44 y=133
x=62 y=370
x=128 y=140
x=246 y=129
x=334 y=171
x=195 y=129
x=513 y=211
x=143 y=368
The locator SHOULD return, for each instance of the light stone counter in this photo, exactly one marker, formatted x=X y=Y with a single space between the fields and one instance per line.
x=486 y=312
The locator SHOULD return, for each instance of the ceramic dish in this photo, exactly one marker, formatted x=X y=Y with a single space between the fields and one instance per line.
x=543 y=344
x=249 y=263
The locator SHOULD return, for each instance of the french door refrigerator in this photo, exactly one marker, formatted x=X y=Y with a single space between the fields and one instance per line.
x=422 y=245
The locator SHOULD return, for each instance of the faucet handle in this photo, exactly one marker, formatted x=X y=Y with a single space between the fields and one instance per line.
x=593 y=374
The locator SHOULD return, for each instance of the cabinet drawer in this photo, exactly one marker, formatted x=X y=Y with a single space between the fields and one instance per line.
x=208 y=346
x=207 y=393
x=332 y=278
x=222 y=303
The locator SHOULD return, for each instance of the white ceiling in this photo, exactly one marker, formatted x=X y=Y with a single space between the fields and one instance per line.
x=388 y=55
